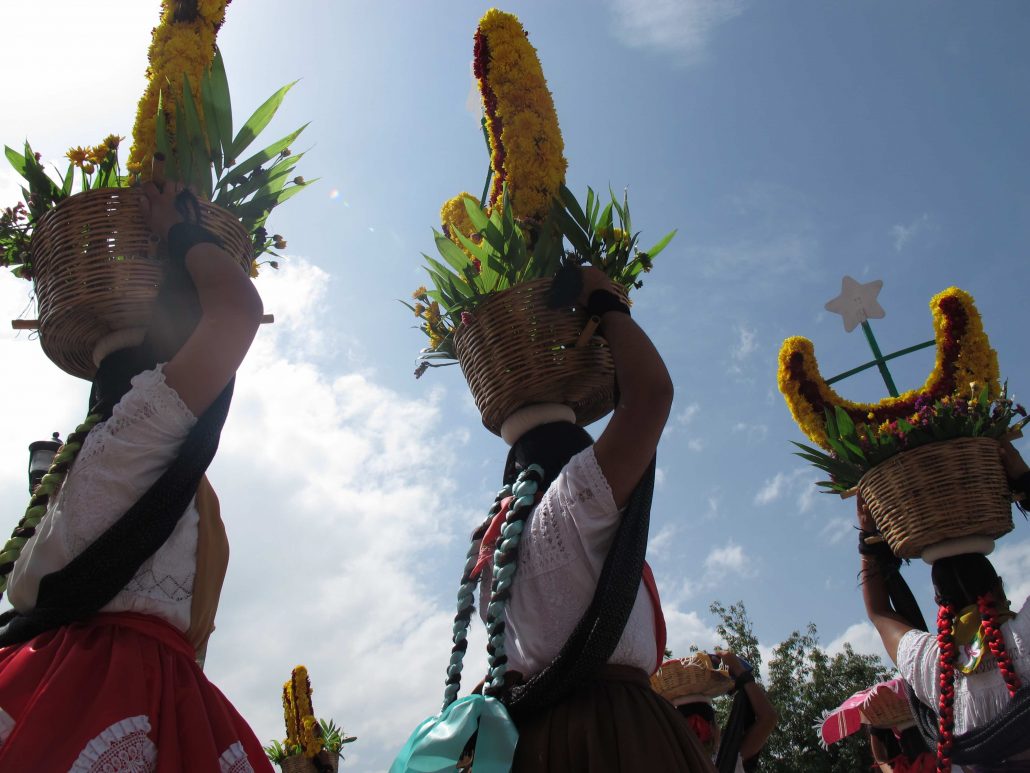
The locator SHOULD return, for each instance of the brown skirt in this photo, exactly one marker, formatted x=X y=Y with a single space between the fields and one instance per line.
x=614 y=724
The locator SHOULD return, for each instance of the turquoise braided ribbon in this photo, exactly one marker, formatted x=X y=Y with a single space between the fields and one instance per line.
x=437 y=744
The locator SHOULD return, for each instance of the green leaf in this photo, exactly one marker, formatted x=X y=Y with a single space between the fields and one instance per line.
x=479 y=219
x=200 y=158
x=571 y=231
x=450 y=252
x=241 y=170
x=662 y=244
x=17 y=160
x=258 y=121
x=214 y=137
x=219 y=87
x=163 y=143
x=845 y=425
x=570 y=203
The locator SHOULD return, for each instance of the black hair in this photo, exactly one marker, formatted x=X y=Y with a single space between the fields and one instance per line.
x=701 y=709
x=550 y=445
x=961 y=580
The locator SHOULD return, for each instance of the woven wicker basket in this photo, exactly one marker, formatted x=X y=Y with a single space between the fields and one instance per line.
x=885 y=708
x=955 y=488
x=690 y=676
x=298 y=763
x=518 y=352
x=97 y=270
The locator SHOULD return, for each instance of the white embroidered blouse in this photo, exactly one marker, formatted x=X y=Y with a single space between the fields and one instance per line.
x=120 y=459
x=979 y=697
x=560 y=558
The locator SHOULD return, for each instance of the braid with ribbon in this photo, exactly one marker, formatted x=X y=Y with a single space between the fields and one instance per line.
x=40 y=499
x=946 y=704
x=466 y=606
x=505 y=563
x=996 y=642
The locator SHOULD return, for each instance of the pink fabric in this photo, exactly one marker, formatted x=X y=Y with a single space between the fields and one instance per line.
x=848 y=718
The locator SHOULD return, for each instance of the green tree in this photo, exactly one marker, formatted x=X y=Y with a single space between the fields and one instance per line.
x=804 y=682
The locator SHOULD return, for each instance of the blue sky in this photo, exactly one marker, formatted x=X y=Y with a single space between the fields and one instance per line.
x=790 y=144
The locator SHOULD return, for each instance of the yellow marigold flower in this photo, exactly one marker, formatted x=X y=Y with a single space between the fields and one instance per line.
x=419 y=309
x=433 y=312
x=88 y=168
x=98 y=154
x=957 y=329
x=77 y=155
x=177 y=49
x=253 y=268
x=112 y=141
x=419 y=293
x=525 y=139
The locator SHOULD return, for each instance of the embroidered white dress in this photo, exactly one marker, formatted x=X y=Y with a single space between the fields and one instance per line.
x=118 y=692
x=979 y=697
x=119 y=461
x=560 y=558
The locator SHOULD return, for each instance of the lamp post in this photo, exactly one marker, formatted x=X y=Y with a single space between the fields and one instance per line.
x=41 y=456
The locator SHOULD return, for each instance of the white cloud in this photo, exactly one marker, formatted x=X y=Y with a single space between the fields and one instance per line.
x=902 y=235
x=658 y=545
x=746 y=343
x=772 y=489
x=687 y=414
x=659 y=477
x=1012 y=560
x=836 y=529
x=753 y=433
x=863 y=639
x=696 y=444
x=679 y=27
x=728 y=559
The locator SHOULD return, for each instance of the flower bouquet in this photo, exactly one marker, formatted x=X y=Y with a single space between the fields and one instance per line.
x=80 y=236
x=490 y=304
x=310 y=746
x=927 y=462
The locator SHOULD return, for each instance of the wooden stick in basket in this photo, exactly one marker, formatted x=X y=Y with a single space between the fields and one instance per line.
x=33 y=324
x=588 y=331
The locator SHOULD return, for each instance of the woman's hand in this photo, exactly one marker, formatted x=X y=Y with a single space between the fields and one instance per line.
x=733 y=663
x=158 y=206
x=593 y=279
x=1015 y=467
x=865 y=518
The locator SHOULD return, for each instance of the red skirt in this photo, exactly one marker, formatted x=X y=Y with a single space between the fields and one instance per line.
x=120 y=692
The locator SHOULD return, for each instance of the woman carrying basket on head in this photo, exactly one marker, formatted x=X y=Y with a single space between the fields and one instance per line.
x=968 y=675
x=115 y=588
x=573 y=674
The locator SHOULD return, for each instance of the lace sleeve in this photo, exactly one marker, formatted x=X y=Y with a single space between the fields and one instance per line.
x=575 y=520
x=917 y=664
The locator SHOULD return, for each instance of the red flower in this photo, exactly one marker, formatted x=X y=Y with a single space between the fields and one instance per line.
x=477 y=265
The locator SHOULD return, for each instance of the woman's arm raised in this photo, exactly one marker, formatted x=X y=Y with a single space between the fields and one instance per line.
x=230 y=310
x=628 y=443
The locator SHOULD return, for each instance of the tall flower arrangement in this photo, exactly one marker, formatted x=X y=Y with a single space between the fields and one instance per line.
x=185 y=115
x=962 y=397
x=305 y=735
x=525 y=139
x=182 y=48
x=529 y=224
x=964 y=355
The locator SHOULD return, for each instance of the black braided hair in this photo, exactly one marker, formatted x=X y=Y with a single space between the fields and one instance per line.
x=550 y=445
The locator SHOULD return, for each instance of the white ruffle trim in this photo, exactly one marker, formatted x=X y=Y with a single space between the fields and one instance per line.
x=234 y=760
x=124 y=747
x=6 y=726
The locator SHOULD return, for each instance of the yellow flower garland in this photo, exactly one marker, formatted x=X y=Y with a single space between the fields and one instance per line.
x=455 y=219
x=525 y=139
x=964 y=356
x=177 y=48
